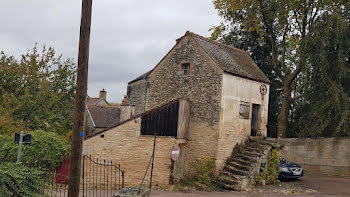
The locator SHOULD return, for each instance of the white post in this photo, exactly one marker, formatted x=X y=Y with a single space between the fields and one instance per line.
x=20 y=146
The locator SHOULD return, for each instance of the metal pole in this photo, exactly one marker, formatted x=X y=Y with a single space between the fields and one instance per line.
x=82 y=75
x=154 y=148
x=21 y=135
x=83 y=174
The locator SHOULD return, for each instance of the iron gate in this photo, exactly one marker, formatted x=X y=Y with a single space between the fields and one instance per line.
x=100 y=178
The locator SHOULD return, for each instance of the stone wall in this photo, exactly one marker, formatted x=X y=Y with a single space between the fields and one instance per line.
x=136 y=95
x=234 y=129
x=202 y=88
x=89 y=125
x=324 y=155
x=125 y=145
x=126 y=112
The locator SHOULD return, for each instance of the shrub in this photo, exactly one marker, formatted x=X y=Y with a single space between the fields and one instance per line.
x=203 y=173
x=46 y=151
x=270 y=172
x=20 y=181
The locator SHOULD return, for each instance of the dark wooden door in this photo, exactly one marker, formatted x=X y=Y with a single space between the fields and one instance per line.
x=255 y=120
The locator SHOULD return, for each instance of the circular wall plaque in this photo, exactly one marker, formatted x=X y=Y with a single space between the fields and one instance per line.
x=263 y=89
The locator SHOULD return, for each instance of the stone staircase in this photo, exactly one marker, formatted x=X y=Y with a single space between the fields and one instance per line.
x=244 y=163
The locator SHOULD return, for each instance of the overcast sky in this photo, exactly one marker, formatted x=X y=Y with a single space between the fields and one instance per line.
x=128 y=37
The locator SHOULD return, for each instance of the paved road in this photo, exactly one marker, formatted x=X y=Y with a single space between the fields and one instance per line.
x=325 y=187
x=338 y=186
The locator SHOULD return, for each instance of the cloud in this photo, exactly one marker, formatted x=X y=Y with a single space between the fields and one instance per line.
x=128 y=37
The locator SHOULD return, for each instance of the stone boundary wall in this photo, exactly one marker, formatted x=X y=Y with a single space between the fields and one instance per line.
x=124 y=144
x=329 y=156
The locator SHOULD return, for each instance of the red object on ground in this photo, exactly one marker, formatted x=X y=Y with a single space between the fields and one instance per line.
x=62 y=172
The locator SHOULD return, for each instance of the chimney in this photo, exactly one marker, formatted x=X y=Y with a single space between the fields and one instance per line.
x=103 y=94
x=124 y=100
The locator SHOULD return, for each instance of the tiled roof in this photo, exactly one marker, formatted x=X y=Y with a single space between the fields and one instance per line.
x=230 y=59
x=132 y=118
x=104 y=116
x=91 y=101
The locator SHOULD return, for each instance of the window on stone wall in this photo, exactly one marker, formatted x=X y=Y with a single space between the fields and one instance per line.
x=244 y=110
x=186 y=68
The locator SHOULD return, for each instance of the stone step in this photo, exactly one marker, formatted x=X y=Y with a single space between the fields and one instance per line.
x=256 y=146
x=252 y=154
x=228 y=180
x=234 y=170
x=257 y=150
x=256 y=138
x=242 y=162
x=239 y=166
x=263 y=143
x=248 y=158
x=227 y=186
x=234 y=176
x=238 y=170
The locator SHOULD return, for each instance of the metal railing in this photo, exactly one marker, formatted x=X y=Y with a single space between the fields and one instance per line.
x=272 y=131
x=101 y=177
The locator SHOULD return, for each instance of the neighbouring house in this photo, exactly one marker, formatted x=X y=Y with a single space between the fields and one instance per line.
x=203 y=95
x=99 y=114
x=101 y=100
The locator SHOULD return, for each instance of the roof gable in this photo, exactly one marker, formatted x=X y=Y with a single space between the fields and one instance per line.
x=94 y=101
x=140 y=77
x=231 y=60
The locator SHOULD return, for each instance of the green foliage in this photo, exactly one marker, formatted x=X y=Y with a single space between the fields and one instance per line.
x=37 y=91
x=325 y=109
x=303 y=48
x=21 y=181
x=203 y=174
x=46 y=151
x=270 y=172
x=7 y=123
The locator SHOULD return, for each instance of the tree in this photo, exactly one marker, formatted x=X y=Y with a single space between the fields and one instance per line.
x=324 y=110
x=38 y=90
x=284 y=26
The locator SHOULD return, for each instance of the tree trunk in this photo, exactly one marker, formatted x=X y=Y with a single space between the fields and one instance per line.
x=283 y=116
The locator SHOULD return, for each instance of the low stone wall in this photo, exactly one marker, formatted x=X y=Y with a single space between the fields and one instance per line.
x=329 y=156
x=125 y=145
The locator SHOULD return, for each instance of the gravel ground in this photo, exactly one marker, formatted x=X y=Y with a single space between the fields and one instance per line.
x=308 y=186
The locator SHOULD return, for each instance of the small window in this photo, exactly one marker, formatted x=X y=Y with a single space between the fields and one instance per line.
x=186 y=68
x=244 y=110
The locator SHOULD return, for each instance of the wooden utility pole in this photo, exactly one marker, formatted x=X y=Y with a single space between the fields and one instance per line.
x=82 y=75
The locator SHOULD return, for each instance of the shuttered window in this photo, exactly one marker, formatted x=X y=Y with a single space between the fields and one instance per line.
x=244 y=110
x=163 y=121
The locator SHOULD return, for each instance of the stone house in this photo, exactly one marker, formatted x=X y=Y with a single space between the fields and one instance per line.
x=99 y=114
x=101 y=100
x=222 y=99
